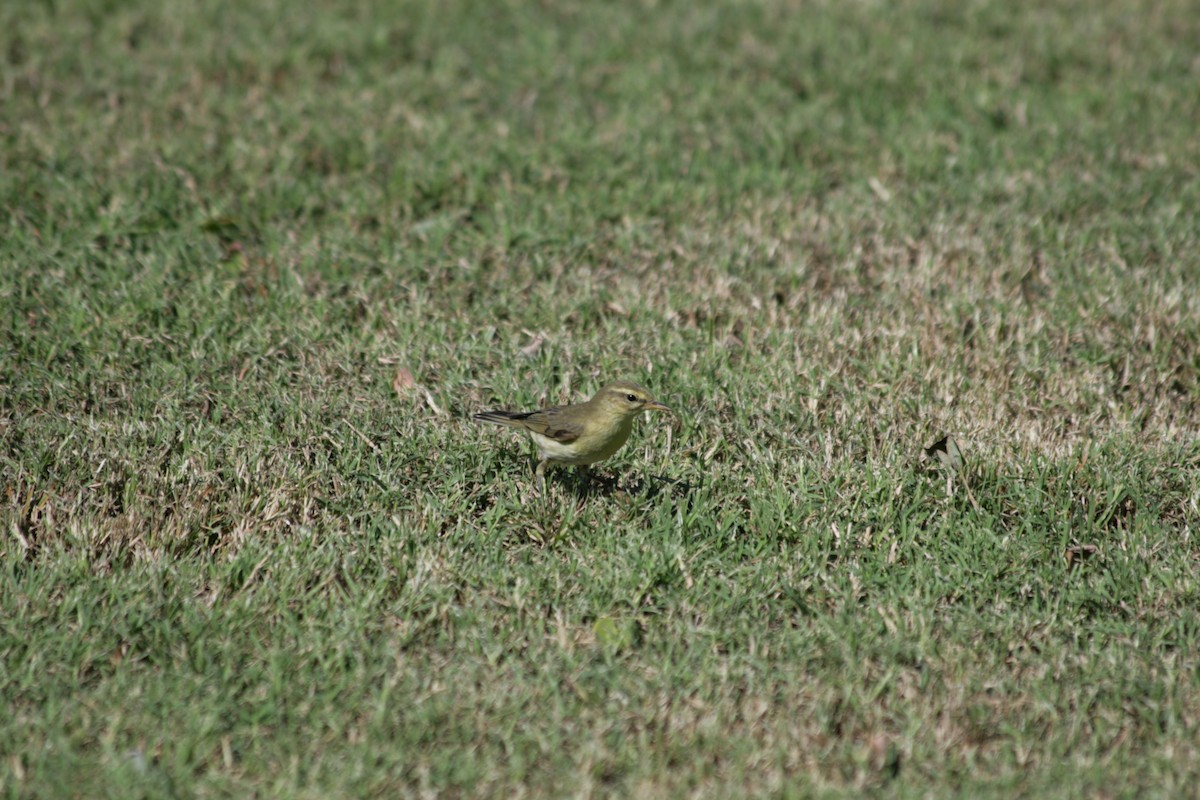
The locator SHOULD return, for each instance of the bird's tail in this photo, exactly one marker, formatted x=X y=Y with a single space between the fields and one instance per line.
x=513 y=419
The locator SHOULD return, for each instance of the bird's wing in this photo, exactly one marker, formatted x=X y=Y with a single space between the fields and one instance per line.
x=553 y=424
x=548 y=422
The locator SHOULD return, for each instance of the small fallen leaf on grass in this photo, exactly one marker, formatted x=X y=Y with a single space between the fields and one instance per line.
x=947 y=452
x=615 y=308
x=530 y=350
x=404 y=382
x=885 y=755
x=1079 y=553
x=879 y=189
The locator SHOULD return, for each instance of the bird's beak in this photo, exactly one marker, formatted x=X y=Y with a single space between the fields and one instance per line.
x=654 y=405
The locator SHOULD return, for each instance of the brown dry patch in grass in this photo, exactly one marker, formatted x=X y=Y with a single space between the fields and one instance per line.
x=954 y=330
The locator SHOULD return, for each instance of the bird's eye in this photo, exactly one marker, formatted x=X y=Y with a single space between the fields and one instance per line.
x=631 y=398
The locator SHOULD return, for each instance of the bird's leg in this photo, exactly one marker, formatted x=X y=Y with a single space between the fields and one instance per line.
x=584 y=477
x=541 y=474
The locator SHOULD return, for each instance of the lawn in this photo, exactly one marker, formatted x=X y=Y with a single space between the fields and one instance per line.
x=260 y=262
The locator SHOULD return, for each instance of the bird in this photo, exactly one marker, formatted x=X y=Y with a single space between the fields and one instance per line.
x=584 y=433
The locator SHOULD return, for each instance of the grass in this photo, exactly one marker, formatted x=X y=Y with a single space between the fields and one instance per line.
x=261 y=261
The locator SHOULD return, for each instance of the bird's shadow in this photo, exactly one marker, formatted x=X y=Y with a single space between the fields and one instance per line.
x=596 y=483
x=649 y=487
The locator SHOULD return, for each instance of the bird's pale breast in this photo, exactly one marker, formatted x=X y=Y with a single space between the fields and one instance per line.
x=589 y=448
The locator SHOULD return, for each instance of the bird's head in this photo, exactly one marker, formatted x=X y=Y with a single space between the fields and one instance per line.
x=627 y=399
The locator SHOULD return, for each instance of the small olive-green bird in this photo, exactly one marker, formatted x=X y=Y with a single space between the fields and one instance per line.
x=581 y=434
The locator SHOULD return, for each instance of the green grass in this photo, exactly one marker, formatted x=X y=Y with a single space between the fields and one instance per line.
x=238 y=557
